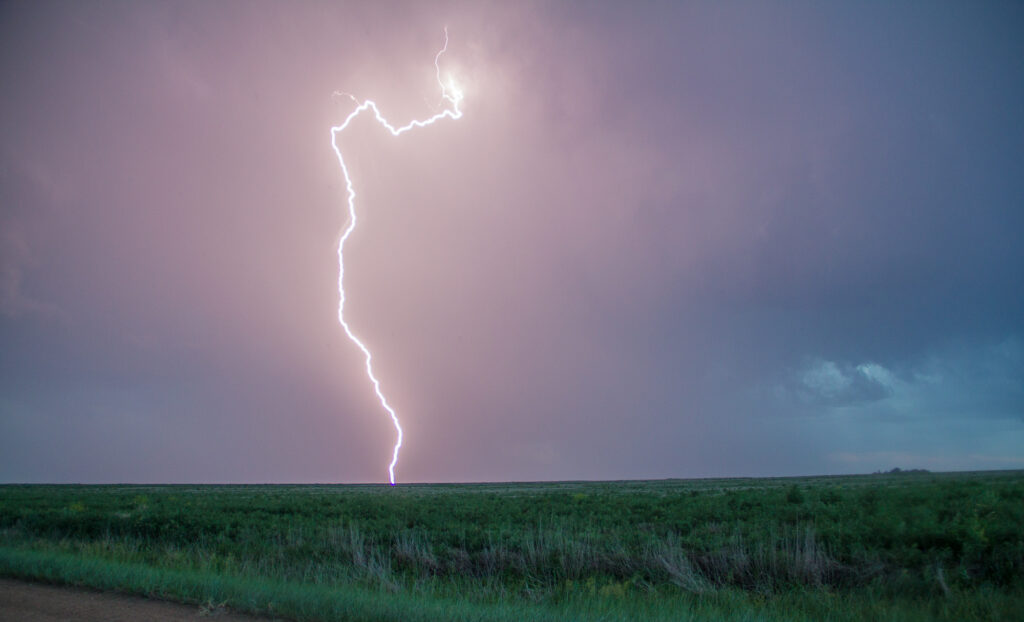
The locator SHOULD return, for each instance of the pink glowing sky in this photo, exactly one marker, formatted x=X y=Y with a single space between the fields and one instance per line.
x=664 y=241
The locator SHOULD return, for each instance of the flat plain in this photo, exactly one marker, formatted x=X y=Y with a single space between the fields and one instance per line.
x=895 y=546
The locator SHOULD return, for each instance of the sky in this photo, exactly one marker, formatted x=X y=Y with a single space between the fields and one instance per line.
x=679 y=239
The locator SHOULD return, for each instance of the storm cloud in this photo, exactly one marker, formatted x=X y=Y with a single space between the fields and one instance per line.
x=665 y=240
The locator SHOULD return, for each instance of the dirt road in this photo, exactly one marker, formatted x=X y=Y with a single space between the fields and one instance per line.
x=31 y=602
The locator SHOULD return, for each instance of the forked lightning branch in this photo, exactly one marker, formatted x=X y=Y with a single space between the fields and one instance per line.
x=452 y=95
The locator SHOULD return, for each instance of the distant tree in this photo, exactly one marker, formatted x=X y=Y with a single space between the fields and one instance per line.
x=899 y=471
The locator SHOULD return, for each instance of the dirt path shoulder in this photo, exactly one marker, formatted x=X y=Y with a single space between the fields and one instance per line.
x=32 y=602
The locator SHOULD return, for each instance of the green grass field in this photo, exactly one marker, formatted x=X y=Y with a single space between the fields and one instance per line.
x=909 y=546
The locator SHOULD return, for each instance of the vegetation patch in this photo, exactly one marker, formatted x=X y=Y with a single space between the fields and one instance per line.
x=899 y=545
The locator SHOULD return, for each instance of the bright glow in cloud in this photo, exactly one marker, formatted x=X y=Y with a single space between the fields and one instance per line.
x=453 y=95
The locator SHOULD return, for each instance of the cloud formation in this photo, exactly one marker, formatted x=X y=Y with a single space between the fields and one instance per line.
x=673 y=240
x=824 y=382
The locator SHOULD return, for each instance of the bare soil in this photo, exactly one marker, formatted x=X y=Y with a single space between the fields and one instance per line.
x=33 y=602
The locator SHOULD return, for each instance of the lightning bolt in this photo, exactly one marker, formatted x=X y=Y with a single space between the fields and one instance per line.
x=450 y=93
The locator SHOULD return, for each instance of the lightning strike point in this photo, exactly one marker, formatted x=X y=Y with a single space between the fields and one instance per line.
x=453 y=96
